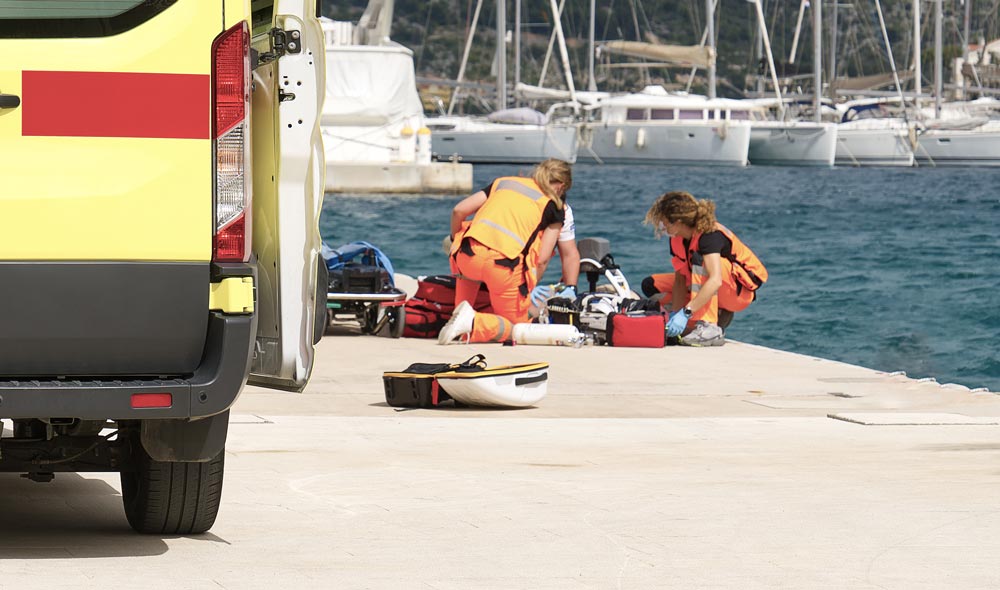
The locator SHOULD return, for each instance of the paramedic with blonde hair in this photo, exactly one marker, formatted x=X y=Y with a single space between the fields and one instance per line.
x=513 y=233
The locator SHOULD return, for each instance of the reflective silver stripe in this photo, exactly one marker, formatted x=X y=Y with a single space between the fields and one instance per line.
x=504 y=230
x=697 y=270
x=517 y=187
x=503 y=329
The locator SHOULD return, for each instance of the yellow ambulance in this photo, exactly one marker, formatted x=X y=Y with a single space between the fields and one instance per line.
x=161 y=178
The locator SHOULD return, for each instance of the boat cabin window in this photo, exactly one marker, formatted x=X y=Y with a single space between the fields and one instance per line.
x=663 y=114
x=739 y=115
x=711 y=113
x=636 y=115
x=688 y=114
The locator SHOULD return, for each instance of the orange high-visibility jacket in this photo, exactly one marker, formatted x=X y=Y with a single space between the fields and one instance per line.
x=509 y=220
x=748 y=270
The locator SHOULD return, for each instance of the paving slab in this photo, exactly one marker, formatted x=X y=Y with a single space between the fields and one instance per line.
x=642 y=468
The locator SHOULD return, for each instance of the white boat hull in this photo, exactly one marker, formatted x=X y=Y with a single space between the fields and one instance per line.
x=511 y=145
x=947 y=147
x=672 y=144
x=793 y=144
x=873 y=147
x=398 y=177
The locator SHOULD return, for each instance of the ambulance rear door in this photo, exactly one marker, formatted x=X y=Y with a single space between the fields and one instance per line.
x=288 y=185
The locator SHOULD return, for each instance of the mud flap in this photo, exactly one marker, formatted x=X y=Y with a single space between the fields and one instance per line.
x=185 y=440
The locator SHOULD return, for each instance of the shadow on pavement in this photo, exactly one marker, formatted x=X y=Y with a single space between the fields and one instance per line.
x=69 y=517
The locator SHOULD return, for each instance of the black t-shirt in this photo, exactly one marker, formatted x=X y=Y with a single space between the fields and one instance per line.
x=551 y=214
x=713 y=242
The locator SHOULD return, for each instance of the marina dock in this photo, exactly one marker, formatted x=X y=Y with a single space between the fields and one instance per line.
x=734 y=467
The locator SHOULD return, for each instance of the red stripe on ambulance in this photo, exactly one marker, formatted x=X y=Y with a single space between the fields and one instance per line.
x=114 y=104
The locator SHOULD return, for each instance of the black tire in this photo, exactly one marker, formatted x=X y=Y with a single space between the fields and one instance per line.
x=396 y=323
x=172 y=498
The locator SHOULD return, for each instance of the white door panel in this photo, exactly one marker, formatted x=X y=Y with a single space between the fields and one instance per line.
x=287 y=265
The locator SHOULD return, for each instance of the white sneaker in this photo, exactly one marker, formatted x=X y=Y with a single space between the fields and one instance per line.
x=460 y=323
x=704 y=334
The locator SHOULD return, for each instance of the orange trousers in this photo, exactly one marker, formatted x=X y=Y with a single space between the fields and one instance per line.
x=728 y=297
x=510 y=306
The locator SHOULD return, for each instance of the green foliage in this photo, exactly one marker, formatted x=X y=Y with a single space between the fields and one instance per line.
x=435 y=30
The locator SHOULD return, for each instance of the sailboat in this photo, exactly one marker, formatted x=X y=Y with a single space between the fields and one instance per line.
x=374 y=134
x=869 y=134
x=793 y=142
x=957 y=134
x=654 y=126
x=507 y=136
x=873 y=133
x=511 y=136
x=657 y=127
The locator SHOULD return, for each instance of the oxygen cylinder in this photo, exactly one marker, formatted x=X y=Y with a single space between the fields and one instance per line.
x=551 y=334
x=423 y=146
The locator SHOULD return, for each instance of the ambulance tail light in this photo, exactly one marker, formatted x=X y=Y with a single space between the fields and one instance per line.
x=231 y=144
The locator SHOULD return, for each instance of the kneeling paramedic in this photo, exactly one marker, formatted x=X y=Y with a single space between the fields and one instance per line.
x=715 y=273
x=512 y=236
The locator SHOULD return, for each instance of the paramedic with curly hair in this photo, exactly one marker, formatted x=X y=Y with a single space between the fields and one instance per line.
x=511 y=238
x=715 y=274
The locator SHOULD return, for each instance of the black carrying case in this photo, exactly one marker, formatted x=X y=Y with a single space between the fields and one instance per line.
x=416 y=386
x=359 y=279
x=412 y=390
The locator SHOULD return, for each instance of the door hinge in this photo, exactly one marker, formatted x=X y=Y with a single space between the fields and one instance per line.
x=282 y=42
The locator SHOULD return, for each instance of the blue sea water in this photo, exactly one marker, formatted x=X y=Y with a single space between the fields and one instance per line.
x=892 y=269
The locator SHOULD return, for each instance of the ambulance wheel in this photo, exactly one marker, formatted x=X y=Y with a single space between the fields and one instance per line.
x=395 y=322
x=163 y=498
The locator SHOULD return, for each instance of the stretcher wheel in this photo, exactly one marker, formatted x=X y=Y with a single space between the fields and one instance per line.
x=395 y=322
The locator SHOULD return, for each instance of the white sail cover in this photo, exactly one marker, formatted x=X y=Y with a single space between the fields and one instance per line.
x=518 y=116
x=681 y=55
x=869 y=82
x=529 y=92
x=369 y=85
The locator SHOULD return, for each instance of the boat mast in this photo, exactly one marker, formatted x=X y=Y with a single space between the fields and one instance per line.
x=770 y=57
x=888 y=50
x=917 y=81
x=548 y=51
x=938 y=64
x=556 y=13
x=591 y=82
x=501 y=55
x=798 y=30
x=817 y=59
x=831 y=72
x=465 y=57
x=517 y=43
x=710 y=13
x=965 y=44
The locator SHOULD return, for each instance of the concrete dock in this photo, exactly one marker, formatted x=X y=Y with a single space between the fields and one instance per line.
x=734 y=467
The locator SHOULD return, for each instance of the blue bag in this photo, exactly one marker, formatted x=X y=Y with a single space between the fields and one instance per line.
x=365 y=253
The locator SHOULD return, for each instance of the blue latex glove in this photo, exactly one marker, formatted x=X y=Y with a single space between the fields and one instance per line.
x=677 y=323
x=568 y=292
x=541 y=294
